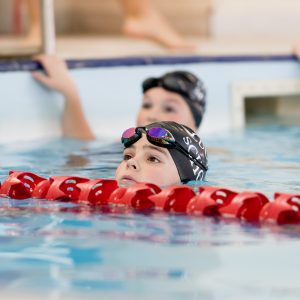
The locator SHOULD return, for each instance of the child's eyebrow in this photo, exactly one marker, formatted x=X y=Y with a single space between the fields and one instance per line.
x=151 y=147
x=147 y=97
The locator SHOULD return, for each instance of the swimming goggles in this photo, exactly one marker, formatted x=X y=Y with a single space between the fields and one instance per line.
x=157 y=136
x=183 y=86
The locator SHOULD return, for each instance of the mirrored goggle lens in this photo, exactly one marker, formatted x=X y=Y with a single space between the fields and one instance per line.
x=161 y=135
x=128 y=136
x=128 y=133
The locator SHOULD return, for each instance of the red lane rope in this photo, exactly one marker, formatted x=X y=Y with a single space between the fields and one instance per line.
x=206 y=201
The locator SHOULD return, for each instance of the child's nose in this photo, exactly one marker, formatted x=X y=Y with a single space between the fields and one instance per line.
x=153 y=116
x=152 y=120
x=132 y=164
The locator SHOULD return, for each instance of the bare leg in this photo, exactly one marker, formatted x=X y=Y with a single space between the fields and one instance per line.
x=142 y=20
x=34 y=34
x=297 y=49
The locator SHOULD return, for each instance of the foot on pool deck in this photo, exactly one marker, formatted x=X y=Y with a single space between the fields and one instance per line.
x=155 y=27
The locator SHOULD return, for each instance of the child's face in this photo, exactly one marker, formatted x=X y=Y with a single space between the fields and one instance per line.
x=162 y=105
x=145 y=162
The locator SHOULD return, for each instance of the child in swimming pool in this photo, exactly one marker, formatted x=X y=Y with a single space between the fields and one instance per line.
x=162 y=153
x=177 y=96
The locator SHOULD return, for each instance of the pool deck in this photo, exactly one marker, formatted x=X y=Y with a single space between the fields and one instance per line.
x=118 y=46
x=82 y=47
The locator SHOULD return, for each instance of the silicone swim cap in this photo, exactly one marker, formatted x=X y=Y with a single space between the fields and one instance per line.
x=191 y=142
x=186 y=84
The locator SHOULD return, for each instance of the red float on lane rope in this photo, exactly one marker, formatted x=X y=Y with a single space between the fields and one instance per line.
x=64 y=188
x=97 y=191
x=20 y=185
x=283 y=210
x=41 y=189
x=173 y=199
x=209 y=200
x=245 y=206
x=136 y=196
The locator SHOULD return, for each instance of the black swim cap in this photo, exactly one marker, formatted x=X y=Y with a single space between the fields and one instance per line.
x=188 y=169
x=186 y=84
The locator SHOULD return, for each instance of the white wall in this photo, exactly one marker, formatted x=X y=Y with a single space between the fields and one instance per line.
x=256 y=18
x=111 y=96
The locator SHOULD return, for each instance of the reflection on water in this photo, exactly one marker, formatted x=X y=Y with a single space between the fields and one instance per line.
x=72 y=251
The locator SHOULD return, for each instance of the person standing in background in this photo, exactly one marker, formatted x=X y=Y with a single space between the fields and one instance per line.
x=21 y=19
x=34 y=22
x=297 y=49
x=143 y=20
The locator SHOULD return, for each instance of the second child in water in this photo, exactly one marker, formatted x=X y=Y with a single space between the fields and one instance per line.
x=176 y=96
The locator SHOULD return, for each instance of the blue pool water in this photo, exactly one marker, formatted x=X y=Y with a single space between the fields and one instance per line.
x=63 y=251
